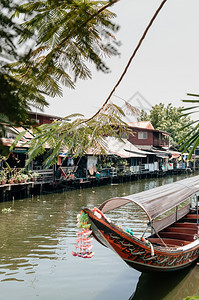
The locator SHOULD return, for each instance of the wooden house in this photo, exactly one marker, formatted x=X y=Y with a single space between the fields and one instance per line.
x=145 y=137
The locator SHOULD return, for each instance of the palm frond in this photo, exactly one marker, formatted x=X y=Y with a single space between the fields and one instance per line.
x=77 y=135
x=191 y=140
x=187 y=108
x=17 y=139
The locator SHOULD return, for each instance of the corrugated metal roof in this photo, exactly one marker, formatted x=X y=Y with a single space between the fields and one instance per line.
x=123 y=148
x=120 y=147
x=141 y=124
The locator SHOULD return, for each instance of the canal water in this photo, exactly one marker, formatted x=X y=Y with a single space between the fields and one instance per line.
x=37 y=239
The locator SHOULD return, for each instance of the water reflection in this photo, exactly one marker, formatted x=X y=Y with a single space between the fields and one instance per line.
x=175 y=285
x=32 y=232
x=37 y=238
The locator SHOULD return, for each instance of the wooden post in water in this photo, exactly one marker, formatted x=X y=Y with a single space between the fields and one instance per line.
x=3 y=194
x=4 y=190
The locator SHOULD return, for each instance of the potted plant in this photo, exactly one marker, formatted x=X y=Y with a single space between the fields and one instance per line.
x=25 y=177
x=11 y=180
x=20 y=177
x=3 y=175
x=33 y=175
x=11 y=175
x=14 y=175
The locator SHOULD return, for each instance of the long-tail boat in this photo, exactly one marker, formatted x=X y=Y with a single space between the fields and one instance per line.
x=173 y=239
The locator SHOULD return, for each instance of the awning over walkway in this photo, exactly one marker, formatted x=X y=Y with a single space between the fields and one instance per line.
x=165 y=153
x=123 y=148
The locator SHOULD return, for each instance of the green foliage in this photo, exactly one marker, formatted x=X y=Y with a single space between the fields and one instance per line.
x=191 y=297
x=77 y=136
x=16 y=98
x=82 y=219
x=9 y=30
x=16 y=93
x=191 y=139
x=169 y=119
x=68 y=34
x=8 y=52
x=65 y=35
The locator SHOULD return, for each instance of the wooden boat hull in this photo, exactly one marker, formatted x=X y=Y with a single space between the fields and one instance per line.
x=142 y=255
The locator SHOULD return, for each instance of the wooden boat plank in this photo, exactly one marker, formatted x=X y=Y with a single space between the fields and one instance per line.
x=191 y=216
x=181 y=230
x=178 y=236
x=186 y=225
x=168 y=242
x=190 y=220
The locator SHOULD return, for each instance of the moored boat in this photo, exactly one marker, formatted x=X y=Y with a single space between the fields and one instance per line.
x=173 y=241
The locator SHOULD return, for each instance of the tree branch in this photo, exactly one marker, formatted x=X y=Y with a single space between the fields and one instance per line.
x=130 y=60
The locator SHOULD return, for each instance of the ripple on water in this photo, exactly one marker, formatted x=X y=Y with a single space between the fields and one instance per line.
x=12 y=279
x=38 y=237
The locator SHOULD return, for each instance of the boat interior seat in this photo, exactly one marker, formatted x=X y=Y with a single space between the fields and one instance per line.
x=191 y=215
x=183 y=230
x=185 y=225
x=168 y=242
x=177 y=235
x=189 y=220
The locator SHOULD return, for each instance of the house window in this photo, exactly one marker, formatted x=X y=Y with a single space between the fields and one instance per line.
x=142 y=135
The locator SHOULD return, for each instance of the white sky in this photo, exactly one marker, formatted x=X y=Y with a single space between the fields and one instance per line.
x=165 y=68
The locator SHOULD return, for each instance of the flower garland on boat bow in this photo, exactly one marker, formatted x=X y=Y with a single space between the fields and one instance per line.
x=83 y=242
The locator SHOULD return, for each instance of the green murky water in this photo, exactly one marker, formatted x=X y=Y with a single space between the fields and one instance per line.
x=37 y=238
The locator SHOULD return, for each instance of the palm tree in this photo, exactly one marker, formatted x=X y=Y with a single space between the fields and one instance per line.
x=191 y=139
